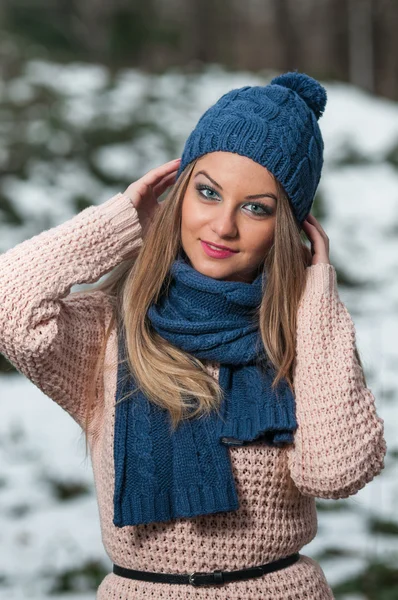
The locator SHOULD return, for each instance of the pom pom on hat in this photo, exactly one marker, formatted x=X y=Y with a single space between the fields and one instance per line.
x=309 y=89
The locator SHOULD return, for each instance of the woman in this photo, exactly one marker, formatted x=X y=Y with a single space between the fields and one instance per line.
x=220 y=392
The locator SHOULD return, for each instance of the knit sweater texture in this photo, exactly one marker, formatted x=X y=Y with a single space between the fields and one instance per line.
x=53 y=338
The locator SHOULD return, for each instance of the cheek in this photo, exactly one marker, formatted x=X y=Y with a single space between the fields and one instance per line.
x=185 y=218
x=187 y=221
x=191 y=217
x=260 y=241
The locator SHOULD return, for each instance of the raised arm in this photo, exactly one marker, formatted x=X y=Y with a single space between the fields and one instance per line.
x=51 y=338
x=339 y=444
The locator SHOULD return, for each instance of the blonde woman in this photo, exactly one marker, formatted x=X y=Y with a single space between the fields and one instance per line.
x=215 y=372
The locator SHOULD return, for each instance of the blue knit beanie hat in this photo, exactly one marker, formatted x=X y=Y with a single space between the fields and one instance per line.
x=275 y=125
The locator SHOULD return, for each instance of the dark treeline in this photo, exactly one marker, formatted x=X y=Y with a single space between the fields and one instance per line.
x=349 y=40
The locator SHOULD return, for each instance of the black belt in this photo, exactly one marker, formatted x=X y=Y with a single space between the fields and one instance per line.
x=213 y=577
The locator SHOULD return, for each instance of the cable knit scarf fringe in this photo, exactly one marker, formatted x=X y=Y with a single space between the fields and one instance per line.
x=160 y=475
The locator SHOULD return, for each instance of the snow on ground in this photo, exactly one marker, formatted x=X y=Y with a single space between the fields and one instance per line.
x=38 y=440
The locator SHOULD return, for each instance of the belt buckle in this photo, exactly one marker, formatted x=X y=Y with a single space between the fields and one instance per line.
x=191 y=580
x=217 y=576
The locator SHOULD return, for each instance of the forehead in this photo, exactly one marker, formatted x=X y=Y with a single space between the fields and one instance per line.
x=232 y=168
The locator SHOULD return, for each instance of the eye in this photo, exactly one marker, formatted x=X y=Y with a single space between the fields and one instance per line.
x=201 y=188
x=266 y=210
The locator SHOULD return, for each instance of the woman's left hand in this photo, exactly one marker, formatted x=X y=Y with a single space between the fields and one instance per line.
x=319 y=240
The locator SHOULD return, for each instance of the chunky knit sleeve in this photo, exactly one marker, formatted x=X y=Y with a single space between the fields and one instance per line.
x=339 y=443
x=50 y=337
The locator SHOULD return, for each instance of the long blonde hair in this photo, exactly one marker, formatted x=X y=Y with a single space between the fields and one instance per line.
x=168 y=376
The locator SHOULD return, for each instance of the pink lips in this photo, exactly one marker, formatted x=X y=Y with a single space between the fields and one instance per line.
x=216 y=253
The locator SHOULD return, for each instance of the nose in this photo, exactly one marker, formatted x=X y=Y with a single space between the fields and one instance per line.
x=224 y=224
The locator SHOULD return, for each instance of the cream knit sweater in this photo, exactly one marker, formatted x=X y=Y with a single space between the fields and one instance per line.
x=53 y=339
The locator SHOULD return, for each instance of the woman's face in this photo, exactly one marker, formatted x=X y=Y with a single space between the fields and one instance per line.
x=216 y=208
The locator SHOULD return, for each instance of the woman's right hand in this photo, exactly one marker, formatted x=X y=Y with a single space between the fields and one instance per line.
x=144 y=192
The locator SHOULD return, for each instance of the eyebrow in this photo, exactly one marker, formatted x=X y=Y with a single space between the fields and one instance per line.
x=250 y=197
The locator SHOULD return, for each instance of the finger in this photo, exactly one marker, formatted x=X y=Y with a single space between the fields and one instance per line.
x=311 y=220
x=154 y=176
x=310 y=231
x=165 y=183
x=168 y=177
x=316 y=229
x=316 y=224
x=308 y=226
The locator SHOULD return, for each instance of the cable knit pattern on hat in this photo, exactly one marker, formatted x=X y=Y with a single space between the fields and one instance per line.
x=54 y=339
x=275 y=125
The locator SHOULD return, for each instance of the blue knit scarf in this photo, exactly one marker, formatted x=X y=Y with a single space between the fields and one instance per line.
x=160 y=475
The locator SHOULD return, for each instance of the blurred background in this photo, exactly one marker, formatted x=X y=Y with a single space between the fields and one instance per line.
x=94 y=93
